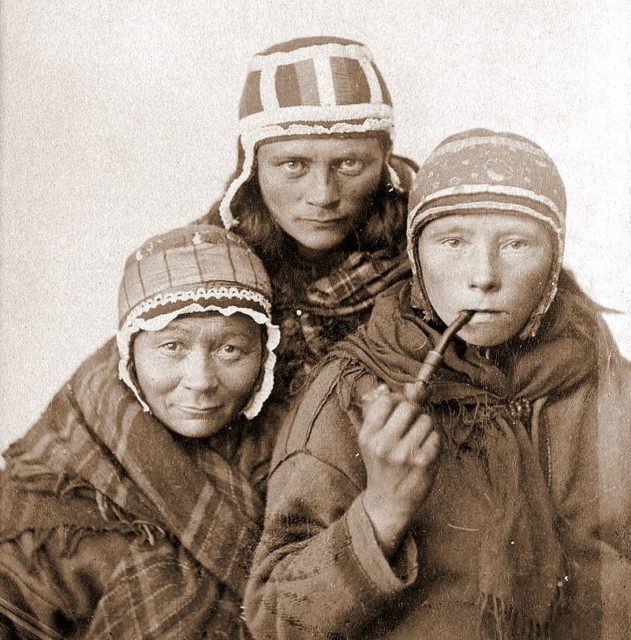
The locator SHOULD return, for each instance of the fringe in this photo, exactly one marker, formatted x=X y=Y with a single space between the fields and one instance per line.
x=502 y=621
x=147 y=533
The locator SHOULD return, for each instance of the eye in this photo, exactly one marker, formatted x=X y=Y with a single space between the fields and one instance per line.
x=293 y=167
x=516 y=244
x=452 y=243
x=172 y=347
x=351 y=166
x=229 y=352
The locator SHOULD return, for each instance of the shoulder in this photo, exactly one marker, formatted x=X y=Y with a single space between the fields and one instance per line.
x=325 y=419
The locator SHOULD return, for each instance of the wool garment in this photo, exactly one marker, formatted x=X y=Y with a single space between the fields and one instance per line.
x=112 y=526
x=557 y=408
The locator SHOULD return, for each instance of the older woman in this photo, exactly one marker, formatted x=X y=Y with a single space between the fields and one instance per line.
x=317 y=191
x=131 y=508
x=500 y=508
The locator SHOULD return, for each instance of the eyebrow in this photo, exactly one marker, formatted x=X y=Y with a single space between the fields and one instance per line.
x=452 y=228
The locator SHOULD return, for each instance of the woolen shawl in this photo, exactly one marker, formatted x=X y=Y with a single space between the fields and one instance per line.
x=484 y=403
x=96 y=461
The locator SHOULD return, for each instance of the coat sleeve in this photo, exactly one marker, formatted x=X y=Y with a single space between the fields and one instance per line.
x=319 y=570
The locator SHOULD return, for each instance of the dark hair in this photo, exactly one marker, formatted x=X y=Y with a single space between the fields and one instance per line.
x=383 y=228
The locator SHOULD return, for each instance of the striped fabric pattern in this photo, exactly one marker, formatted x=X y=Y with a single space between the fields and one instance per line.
x=323 y=80
x=493 y=169
x=308 y=86
x=305 y=84
x=187 y=256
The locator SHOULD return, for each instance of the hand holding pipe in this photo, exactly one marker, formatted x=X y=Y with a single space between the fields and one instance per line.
x=417 y=391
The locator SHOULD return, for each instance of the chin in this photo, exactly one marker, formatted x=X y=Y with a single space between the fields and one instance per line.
x=485 y=338
x=196 y=428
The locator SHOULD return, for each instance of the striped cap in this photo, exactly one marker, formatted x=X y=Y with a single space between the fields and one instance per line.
x=194 y=269
x=308 y=86
x=481 y=171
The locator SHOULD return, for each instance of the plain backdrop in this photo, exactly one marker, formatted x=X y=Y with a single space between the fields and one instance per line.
x=119 y=121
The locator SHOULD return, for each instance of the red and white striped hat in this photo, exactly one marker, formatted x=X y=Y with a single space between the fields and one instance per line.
x=309 y=86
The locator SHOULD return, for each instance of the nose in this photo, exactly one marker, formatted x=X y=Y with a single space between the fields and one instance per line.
x=323 y=190
x=484 y=273
x=200 y=371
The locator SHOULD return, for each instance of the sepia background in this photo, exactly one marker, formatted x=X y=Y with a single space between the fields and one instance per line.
x=119 y=121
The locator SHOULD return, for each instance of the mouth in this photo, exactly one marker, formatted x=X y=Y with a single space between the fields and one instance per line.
x=325 y=222
x=197 y=411
x=485 y=315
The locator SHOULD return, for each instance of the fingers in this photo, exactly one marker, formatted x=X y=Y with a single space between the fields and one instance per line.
x=420 y=445
x=377 y=409
x=427 y=453
x=398 y=424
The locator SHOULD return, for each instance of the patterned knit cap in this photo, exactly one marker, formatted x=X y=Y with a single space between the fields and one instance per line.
x=309 y=86
x=481 y=171
x=194 y=269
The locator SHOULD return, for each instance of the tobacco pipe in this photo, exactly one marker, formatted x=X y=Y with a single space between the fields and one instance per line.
x=417 y=391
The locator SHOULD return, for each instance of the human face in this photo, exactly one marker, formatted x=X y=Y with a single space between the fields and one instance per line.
x=496 y=264
x=198 y=372
x=316 y=188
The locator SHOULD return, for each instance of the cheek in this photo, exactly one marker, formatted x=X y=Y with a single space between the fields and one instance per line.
x=531 y=283
x=275 y=190
x=155 y=380
x=240 y=379
x=440 y=276
x=361 y=187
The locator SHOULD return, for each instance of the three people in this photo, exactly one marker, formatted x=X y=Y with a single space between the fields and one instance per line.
x=497 y=508
x=132 y=507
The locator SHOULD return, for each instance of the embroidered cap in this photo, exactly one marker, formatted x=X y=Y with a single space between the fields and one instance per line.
x=190 y=270
x=481 y=171
x=309 y=86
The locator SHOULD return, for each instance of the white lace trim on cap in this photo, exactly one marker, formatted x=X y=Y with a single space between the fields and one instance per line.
x=201 y=293
x=339 y=114
x=131 y=327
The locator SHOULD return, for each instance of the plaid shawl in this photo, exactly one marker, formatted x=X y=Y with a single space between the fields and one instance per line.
x=96 y=461
x=329 y=309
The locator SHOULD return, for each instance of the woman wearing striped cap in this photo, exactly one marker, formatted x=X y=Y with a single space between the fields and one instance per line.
x=132 y=507
x=317 y=191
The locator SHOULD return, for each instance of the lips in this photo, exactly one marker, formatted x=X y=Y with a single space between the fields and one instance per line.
x=200 y=411
x=324 y=222
x=485 y=315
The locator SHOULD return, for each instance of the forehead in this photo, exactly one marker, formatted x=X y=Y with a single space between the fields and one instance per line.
x=326 y=146
x=489 y=223
x=212 y=322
